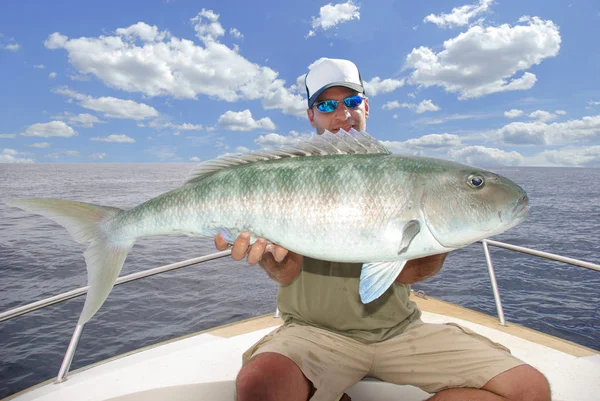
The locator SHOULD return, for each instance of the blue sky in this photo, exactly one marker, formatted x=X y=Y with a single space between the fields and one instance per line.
x=478 y=81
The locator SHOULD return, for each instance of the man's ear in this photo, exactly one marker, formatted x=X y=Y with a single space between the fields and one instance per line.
x=311 y=117
x=366 y=107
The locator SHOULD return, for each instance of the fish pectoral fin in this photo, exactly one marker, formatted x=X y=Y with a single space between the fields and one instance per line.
x=376 y=278
x=409 y=232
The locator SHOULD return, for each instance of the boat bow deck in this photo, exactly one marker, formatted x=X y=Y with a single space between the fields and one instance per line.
x=204 y=365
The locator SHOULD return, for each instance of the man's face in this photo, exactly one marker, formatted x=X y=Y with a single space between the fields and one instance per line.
x=343 y=117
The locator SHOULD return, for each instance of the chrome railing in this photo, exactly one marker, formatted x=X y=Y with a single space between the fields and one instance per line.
x=529 y=251
x=68 y=358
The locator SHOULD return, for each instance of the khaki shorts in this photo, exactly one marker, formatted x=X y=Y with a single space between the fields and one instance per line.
x=432 y=357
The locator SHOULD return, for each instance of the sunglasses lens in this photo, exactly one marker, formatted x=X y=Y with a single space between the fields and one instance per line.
x=327 y=106
x=353 y=101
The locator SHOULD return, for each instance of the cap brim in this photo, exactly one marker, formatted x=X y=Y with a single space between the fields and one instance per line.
x=348 y=85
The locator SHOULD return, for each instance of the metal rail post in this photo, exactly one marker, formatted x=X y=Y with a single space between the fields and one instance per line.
x=66 y=363
x=488 y=259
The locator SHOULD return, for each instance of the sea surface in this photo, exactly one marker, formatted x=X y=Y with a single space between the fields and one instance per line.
x=38 y=259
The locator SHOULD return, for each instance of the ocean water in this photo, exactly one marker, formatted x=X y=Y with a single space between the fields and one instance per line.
x=38 y=259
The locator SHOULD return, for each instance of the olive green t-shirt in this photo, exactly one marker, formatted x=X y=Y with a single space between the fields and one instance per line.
x=325 y=294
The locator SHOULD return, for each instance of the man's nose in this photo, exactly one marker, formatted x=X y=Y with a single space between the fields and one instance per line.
x=342 y=111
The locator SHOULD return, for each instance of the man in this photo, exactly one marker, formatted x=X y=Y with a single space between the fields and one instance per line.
x=330 y=340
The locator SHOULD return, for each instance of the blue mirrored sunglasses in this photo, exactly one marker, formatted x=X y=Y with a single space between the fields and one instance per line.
x=329 y=106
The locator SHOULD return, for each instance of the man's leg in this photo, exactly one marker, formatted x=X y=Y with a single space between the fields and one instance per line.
x=301 y=362
x=522 y=383
x=271 y=376
x=457 y=364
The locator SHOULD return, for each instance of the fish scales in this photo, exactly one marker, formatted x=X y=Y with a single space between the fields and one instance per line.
x=320 y=203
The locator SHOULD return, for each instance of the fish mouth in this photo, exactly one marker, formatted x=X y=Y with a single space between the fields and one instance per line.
x=521 y=208
x=519 y=212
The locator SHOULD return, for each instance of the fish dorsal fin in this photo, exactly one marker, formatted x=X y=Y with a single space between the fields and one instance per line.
x=342 y=143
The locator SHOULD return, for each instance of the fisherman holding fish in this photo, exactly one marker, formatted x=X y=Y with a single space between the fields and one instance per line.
x=331 y=338
x=349 y=226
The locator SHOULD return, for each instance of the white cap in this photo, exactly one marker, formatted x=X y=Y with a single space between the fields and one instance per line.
x=329 y=73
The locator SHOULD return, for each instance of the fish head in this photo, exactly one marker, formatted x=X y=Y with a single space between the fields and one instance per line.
x=465 y=205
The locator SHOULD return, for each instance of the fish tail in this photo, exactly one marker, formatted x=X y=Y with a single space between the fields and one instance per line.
x=86 y=223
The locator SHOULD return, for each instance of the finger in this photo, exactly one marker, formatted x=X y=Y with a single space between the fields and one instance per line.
x=256 y=251
x=240 y=246
x=280 y=253
x=220 y=243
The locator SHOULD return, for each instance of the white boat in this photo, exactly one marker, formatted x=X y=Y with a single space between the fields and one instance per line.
x=203 y=365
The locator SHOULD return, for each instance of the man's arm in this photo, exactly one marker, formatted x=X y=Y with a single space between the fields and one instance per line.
x=280 y=264
x=419 y=269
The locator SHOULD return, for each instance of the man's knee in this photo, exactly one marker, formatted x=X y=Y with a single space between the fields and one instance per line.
x=270 y=376
x=523 y=382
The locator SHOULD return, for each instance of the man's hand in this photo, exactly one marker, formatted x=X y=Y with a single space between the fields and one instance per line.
x=419 y=269
x=280 y=264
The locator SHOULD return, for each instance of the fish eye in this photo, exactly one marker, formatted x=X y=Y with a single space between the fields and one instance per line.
x=476 y=181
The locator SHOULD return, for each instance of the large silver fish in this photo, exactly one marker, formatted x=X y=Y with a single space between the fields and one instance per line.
x=340 y=197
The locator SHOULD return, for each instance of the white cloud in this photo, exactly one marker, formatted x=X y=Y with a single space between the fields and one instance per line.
x=52 y=75
x=13 y=47
x=394 y=104
x=541 y=133
x=40 y=145
x=426 y=142
x=12 y=156
x=483 y=156
x=593 y=103
x=425 y=105
x=164 y=153
x=459 y=16
x=377 y=86
x=222 y=145
x=236 y=33
x=194 y=159
x=84 y=120
x=187 y=127
x=140 y=30
x=111 y=106
x=7 y=136
x=486 y=60
x=81 y=78
x=331 y=15
x=39 y=66
x=452 y=117
x=243 y=121
x=513 y=113
x=98 y=156
x=570 y=156
x=143 y=59
x=66 y=153
x=51 y=129
x=560 y=112
x=274 y=140
x=81 y=120
x=241 y=149
x=207 y=25
x=542 y=115
x=119 y=138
